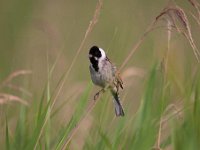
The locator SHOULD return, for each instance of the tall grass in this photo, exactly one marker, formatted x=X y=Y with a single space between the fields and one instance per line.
x=166 y=117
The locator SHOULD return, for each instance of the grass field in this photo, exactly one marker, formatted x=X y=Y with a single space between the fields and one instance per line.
x=46 y=94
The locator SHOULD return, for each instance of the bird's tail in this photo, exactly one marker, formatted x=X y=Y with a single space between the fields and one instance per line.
x=118 y=107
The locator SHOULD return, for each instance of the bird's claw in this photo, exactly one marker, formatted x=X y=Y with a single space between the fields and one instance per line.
x=96 y=96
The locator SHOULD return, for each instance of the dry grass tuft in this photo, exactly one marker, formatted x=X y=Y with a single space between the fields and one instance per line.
x=196 y=5
x=14 y=75
x=172 y=111
x=175 y=18
x=180 y=23
x=7 y=97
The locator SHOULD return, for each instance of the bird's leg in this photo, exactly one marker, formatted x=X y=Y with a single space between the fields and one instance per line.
x=96 y=96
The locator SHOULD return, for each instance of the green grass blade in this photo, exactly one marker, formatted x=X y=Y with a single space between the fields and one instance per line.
x=7 y=136
x=80 y=108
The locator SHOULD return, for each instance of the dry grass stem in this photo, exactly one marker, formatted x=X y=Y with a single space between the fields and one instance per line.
x=89 y=29
x=14 y=75
x=5 y=98
x=20 y=89
x=196 y=19
x=196 y=5
x=88 y=110
x=137 y=45
x=169 y=27
x=164 y=118
x=75 y=129
x=159 y=135
x=164 y=63
x=177 y=113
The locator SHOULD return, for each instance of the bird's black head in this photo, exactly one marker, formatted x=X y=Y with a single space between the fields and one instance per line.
x=94 y=55
x=95 y=52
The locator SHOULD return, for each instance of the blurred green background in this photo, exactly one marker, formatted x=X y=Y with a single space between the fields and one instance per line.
x=36 y=35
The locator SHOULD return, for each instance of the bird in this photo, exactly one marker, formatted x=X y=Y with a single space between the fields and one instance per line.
x=105 y=75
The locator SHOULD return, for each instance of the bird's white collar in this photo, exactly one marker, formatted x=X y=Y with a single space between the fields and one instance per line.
x=103 y=54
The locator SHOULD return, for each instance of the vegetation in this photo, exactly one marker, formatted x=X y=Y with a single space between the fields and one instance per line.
x=46 y=95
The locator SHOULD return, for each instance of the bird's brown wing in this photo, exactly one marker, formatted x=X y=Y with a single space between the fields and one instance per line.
x=118 y=80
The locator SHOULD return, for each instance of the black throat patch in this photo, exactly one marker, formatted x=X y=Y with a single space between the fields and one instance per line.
x=94 y=63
